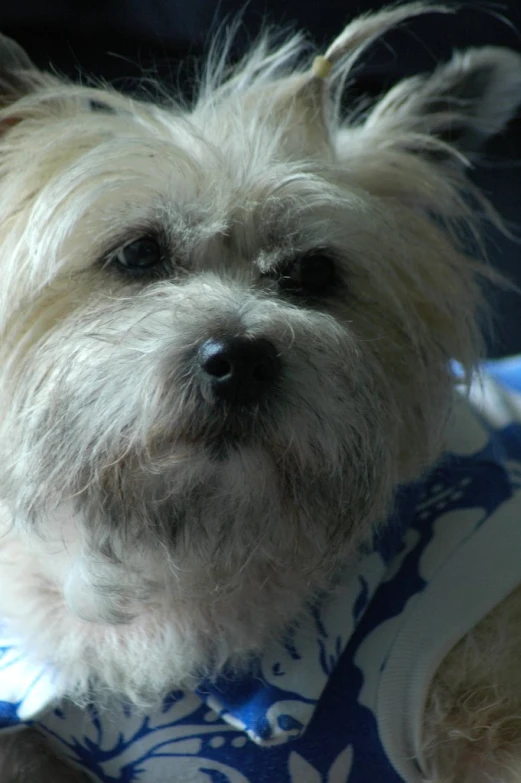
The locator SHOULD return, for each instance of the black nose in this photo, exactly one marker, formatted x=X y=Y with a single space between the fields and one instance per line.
x=240 y=370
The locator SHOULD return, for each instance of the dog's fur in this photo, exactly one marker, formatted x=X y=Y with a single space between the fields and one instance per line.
x=138 y=515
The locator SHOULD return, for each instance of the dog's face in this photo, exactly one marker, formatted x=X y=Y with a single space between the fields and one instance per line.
x=226 y=330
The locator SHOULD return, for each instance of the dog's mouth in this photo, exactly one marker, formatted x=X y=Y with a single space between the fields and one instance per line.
x=213 y=431
x=228 y=428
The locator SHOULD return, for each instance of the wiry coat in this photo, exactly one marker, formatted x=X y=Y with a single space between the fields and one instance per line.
x=151 y=535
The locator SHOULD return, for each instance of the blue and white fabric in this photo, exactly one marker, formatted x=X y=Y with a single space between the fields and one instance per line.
x=340 y=699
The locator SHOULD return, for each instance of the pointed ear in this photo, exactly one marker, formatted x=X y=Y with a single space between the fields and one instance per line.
x=17 y=72
x=19 y=77
x=458 y=107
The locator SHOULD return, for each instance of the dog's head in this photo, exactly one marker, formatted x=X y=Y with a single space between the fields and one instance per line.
x=226 y=330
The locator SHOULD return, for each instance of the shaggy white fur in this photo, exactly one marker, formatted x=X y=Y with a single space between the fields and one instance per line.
x=139 y=515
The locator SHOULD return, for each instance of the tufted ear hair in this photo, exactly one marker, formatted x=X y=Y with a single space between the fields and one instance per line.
x=299 y=103
x=18 y=74
x=443 y=115
x=18 y=77
x=13 y=57
x=454 y=110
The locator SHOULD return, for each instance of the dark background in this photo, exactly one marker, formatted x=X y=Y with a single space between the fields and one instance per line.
x=121 y=39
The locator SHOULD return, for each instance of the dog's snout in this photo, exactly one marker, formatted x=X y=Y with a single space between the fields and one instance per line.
x=240 y=369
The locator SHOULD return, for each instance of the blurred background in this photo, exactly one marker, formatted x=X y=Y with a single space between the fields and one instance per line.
x=122 y=40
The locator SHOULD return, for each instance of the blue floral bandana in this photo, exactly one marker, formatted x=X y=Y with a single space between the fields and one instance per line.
x=340 y=700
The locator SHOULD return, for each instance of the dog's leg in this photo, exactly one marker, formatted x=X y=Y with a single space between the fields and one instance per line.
x=26 y=758
x=472 y=731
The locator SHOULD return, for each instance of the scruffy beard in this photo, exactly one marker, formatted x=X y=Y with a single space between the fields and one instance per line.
x=115 y=423
x=200 y=530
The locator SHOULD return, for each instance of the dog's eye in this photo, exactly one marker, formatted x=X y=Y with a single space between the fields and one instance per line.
x=310 y=274
x=139 y=257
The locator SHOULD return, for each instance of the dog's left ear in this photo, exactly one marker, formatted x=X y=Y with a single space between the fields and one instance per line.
x=17 y=71
x=452 y=111
x=19 y=78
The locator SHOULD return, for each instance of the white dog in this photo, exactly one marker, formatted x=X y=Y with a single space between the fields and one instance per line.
x=226 y=344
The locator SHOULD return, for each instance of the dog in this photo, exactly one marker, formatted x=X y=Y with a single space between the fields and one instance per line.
x=233 y=434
